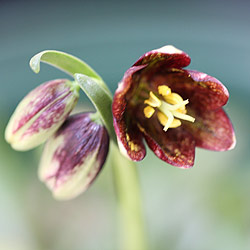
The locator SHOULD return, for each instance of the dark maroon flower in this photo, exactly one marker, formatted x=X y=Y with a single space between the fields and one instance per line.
x=74 y=156
x=173 y=109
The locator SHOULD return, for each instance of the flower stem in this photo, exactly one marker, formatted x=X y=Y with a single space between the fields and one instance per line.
x=132 y=230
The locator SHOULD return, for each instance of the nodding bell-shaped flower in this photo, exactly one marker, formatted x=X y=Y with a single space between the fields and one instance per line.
x=41 y=113
x=74 y=156
x=173 y=109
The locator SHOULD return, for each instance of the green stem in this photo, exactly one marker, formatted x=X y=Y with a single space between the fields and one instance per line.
x=132 y=230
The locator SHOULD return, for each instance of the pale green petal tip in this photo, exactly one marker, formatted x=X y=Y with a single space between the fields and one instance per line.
x=35 y=61
x=73 y=185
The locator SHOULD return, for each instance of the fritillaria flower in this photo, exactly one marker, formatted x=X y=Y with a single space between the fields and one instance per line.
x=173 y=109
x=41 y=113
x=74 y=156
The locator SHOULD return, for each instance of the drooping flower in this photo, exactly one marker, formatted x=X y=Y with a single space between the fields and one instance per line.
x=41 y=113
x=173 y=109
x=74 y=156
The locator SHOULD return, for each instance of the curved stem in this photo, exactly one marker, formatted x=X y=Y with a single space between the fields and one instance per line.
x=132 y=230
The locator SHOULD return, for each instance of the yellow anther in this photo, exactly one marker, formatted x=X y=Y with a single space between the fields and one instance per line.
x=182 y=110
x=164 y=90
x=166 y=119
x=163 y=120
x=153 y=100
x=168 y=110
x=176 y=123
x=173 y=98
x=148 y=111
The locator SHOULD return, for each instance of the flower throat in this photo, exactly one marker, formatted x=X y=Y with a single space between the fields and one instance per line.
x=170 y=110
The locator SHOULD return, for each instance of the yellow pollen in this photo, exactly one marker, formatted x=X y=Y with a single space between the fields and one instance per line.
x=132 y=145
x=174 y=98
x=148 y=111
x=153 y=101
x=164 y=90
x=172 y=107
x=163 y=120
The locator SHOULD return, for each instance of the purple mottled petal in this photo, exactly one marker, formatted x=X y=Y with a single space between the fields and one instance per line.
x=81 y=137
x=212 y=130
x=165 y=57
x=53 y=115
x=74 y=156
x=175 y=146
x=39 y=98
x=40 y=114
x=203 y=91
x=128 y=136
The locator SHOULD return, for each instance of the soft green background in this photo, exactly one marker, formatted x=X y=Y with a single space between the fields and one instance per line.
x=205 y=208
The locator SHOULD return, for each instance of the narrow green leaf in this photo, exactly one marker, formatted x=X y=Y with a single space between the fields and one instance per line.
x=101 y=99
x=65 y=62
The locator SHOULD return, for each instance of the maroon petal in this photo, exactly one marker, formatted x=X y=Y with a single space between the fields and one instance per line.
x=127 y=133
x=167 y=56
x=211 y=92
x=203 y=91
x=212 y=130
x=176 y=146
x=119 y=101
x=130 y=140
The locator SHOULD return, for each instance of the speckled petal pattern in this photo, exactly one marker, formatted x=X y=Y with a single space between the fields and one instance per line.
x=212 y=130
x=176 y=147
x=166 y=57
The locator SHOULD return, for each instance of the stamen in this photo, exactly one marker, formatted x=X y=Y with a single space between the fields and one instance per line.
x=164 y=90
x=176 y=123
x=170 y=119
x=172 y=106
x=173 y=98
x=183 y=116
x=148 y=111
x=163 y=120
x=153 y=101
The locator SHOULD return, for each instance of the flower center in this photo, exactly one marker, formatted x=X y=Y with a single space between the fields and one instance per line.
x=170 y=110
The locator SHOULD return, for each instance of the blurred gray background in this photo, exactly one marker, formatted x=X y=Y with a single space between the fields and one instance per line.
x=204 y=208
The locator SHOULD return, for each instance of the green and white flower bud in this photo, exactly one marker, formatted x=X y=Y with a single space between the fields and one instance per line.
x=74 y=156
x=41 y=113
